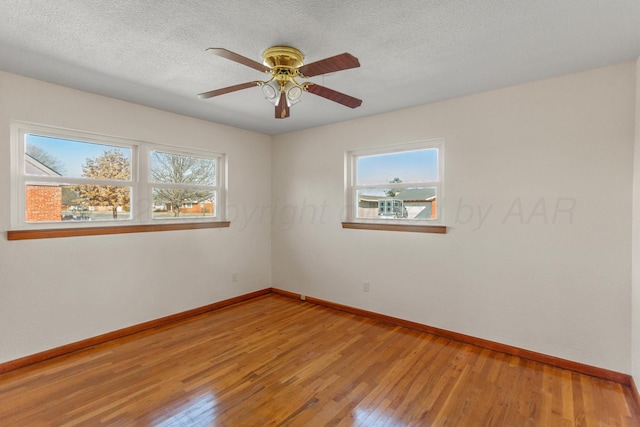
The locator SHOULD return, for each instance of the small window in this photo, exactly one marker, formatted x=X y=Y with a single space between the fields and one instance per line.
x=184 y=185
x=397 y=184
x=63 y=178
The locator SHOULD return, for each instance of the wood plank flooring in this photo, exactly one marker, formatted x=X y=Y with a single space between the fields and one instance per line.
x=274 y=361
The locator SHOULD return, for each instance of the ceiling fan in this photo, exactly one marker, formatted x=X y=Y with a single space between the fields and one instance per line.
x=285 y=64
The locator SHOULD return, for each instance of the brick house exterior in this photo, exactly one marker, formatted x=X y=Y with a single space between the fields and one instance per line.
x=196 y=208
x=43 y=202
x=193 y=208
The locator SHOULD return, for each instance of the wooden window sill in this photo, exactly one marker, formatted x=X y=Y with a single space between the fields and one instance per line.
x=439 y=229
x=118 y=229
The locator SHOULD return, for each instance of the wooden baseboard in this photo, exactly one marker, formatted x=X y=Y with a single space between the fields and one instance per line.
x=101 y=339
x=606 y=374
x=581 y=368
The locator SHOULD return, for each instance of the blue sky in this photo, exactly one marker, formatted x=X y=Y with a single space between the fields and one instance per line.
x=72 y=154
x=409 y=166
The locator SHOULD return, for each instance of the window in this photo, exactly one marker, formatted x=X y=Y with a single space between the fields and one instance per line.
x=396 y=185
x=183 y=185
x=63 y=178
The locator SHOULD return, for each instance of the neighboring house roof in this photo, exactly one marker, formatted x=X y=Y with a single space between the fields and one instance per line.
x=162 y=201
x=416 y=194
x=34 y=167
x=409 y=195
x=368 y=198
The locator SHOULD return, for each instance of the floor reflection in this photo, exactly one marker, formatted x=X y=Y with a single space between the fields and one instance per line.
x=199 y=412
x=369 y=417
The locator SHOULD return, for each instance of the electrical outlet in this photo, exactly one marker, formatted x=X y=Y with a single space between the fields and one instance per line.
x=303 y=297
x=234 y=276
x=365 y=286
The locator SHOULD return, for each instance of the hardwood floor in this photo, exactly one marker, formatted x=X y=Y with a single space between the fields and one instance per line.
x=276 y=361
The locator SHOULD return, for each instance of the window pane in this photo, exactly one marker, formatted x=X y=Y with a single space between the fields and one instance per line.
x=180 y=203
x=54 y=203
x=411 y=203
x=405 y=166
x=46 y=156
x=178 y=169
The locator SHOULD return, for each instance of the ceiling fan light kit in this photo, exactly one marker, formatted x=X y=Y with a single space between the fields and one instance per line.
x=285 y=64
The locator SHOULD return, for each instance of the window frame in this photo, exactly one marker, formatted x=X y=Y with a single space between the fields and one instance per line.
x=141 y=216
x=351 y=219
x=219 y=187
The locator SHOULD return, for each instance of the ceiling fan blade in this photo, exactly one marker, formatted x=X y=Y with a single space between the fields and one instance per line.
x=239 y=59
x=333 y=95
x=228 y=89
x=344 y=61
x=282 y=109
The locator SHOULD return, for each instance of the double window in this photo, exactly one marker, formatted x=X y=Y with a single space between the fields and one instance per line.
x=63 y=178
x=400 y=184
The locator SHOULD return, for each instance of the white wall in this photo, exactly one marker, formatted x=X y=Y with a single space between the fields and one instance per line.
x=556 y=283
x=635 y=301
x=57 y=291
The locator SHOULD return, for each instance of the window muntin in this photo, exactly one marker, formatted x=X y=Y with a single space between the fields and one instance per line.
x=63 y=178
x=396 y=184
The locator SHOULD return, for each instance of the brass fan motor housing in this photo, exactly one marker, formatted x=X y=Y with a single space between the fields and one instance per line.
x=283 y=60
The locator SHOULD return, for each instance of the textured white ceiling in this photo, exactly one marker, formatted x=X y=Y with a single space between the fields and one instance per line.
x=412 y=52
